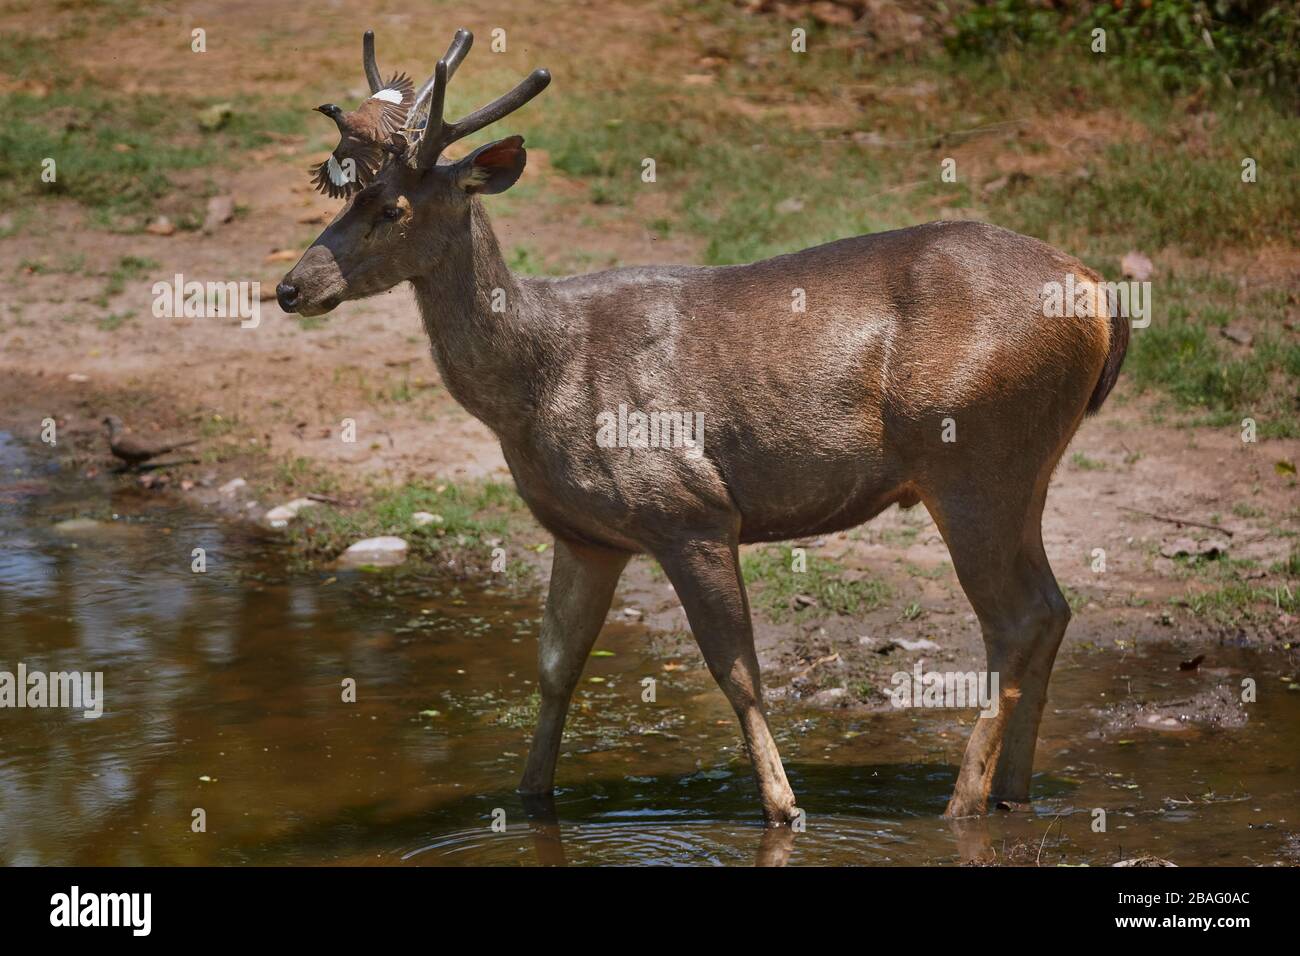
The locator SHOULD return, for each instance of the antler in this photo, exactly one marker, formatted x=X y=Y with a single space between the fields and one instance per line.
x=368 y=62
x=435 y=134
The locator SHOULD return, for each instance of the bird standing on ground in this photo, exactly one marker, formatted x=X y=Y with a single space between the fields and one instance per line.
x=133 y=451
x=365 y=134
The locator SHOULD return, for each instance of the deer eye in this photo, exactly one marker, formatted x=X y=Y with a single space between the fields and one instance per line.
x=392 y=213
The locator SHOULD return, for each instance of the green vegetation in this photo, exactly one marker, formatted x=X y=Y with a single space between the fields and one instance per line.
x=774 y=585
x=1138 y=169
x=1084 y=463
x=470 y=514
x=117 y=154
x=1183 y=355
x=1175 y=43
x=1228 y=591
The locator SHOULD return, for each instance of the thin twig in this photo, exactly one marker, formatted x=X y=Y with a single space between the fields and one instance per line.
x=1174 y=520
x=1044 y=839
x=329 y=500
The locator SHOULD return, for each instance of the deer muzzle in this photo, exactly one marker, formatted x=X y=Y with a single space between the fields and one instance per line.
x=314 y=286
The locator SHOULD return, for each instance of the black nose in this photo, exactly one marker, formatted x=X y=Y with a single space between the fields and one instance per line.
x=286 y=293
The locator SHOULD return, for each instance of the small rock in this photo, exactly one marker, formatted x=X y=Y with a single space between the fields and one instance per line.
x=920 y=645
x=786 y=206
x=221 y=209
x=868 y=138
x=232 y=486
x=161 y=226
x=77 y=525
x=422 y=518
x=281 y=515
x=633 y=612
x=385 y=552
x=1235 y=333
x=803 y=600
x=829 y=697
x=78 y=377
x=1134 y=265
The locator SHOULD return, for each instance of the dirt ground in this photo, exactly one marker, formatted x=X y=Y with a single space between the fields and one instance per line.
x=260 y=397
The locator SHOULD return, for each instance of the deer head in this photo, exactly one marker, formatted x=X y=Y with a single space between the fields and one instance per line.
x=402 y=225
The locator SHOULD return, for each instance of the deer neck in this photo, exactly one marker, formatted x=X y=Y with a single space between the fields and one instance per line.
x=489 y=331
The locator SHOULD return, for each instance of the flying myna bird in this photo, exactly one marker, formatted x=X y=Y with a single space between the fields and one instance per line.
x=365 y=135
x=132 y=451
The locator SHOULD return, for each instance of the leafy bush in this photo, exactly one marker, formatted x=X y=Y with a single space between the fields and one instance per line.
x=1177 y=43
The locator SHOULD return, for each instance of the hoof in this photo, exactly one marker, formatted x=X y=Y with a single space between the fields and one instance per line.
x=782 y=817
x=959 y=809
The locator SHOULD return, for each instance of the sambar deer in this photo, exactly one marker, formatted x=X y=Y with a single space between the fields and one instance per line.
x=816 y=421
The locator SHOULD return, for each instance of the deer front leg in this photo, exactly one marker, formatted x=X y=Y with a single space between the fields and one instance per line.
x=706 y=576
x=582 y=585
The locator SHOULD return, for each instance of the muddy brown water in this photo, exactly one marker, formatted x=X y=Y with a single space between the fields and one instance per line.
x=223 y=694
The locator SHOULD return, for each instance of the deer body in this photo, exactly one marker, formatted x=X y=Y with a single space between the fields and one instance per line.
x=922 y=369
x=814 y=421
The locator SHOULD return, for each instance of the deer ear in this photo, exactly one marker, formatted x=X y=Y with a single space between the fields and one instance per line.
x=492 y=168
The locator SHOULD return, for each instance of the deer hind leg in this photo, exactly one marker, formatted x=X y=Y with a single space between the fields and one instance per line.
x=706 y=576
x=581 y=589
x=1016 y=761
x=997 y=550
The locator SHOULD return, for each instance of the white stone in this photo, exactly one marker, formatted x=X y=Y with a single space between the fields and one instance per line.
x=920 y=645
x=75 y=525
x=384 y=552
x=421 y=518
x=233 y=485
x=281 y=515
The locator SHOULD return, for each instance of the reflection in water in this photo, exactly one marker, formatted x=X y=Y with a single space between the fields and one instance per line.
x=223 y=693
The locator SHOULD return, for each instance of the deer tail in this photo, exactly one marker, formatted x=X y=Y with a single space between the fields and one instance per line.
x=1115 y=353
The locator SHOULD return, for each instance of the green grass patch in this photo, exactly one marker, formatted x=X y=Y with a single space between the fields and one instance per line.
x=773 y=585
x=1173 y=44
x=1182 y=355
x=470 y=513
x=117 y=155
x=1084 y=463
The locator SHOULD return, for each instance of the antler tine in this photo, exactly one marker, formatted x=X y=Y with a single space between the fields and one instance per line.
x=529 y=87
x=456 y=52
x=368 y=61
x=435 y=128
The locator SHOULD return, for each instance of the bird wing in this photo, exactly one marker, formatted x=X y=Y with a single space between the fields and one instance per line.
x=385 y=111
x=370 y=126
x=349 y=168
